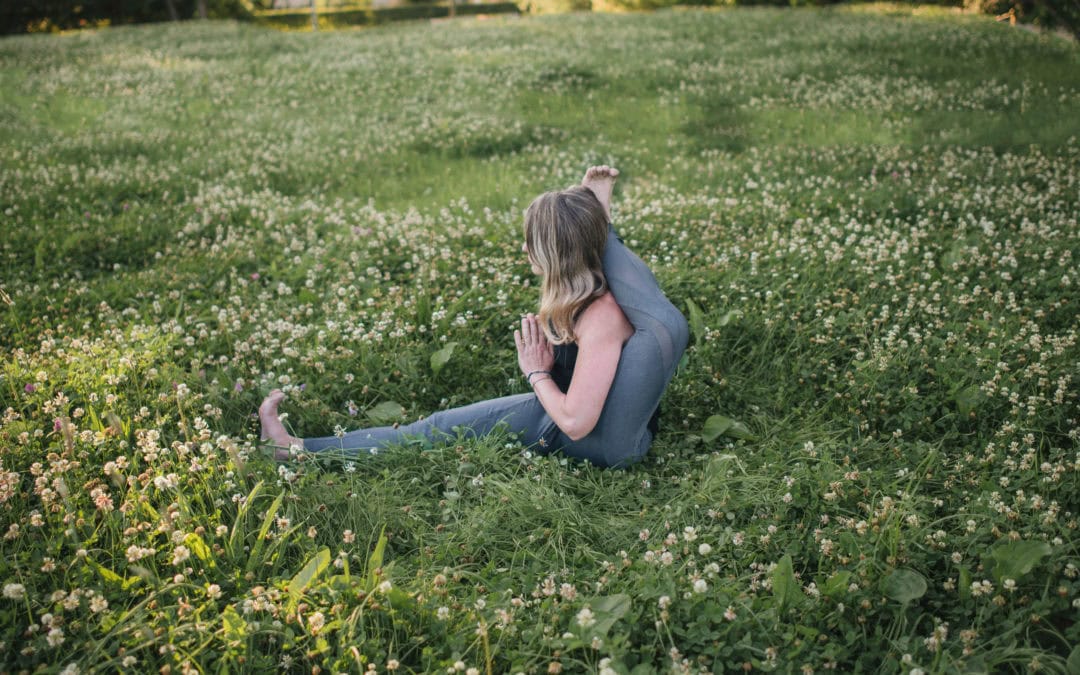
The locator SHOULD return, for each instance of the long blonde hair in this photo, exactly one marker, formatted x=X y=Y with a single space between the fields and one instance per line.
x=565 y=232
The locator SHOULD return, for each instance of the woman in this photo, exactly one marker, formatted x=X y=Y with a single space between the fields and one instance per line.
x=598 y=354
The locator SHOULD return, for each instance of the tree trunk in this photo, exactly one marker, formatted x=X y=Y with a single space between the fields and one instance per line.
x=171 y=6
x=453 y=8
x=314 y=17
x=200 y=5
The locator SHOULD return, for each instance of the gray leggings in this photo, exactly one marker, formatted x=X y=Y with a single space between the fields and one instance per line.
x=621 y=436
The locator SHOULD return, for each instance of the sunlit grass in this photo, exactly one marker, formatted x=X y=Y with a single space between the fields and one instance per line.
x=869 y=215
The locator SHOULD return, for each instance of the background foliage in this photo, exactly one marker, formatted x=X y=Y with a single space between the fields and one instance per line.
x=868 y=461
x=46 y=15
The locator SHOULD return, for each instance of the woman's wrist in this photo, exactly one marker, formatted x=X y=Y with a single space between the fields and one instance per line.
x=529 y=376
x=541 y=378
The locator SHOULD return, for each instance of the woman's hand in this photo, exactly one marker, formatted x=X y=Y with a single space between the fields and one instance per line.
x=534 y=351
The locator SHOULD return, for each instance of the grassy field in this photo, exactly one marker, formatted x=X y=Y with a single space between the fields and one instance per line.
x=869 y=459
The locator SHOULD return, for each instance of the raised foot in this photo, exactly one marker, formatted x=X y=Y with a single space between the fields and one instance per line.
x=273 y=431
x=601 y=180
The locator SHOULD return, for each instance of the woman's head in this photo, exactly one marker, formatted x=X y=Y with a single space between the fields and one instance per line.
x=565 y=235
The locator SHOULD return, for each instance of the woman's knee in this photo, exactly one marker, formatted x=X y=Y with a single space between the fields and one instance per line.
x=613 y=452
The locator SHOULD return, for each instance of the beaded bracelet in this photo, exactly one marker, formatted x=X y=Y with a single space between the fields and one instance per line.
x=528 y=378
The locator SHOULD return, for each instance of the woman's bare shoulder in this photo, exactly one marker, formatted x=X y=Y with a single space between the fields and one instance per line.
x=603 y=320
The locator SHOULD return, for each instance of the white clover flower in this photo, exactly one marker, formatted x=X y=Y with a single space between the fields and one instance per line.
x=316 y=622
x=180 y=555
x=585 y=617
x=700 y=586
x=14 y=591
x=55 y=638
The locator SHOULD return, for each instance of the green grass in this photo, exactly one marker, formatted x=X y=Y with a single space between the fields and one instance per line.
x=874 y=208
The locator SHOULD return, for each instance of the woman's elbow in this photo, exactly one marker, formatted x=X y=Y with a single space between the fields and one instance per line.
x=576 y=430
x=575 y=436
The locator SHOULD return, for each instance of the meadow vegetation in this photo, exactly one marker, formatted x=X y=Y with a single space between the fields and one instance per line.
x=869 y=459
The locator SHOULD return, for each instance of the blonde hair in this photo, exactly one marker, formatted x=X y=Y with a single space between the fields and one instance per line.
x=565 y=232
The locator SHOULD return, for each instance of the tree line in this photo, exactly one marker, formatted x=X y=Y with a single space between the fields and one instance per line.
x=54 y=15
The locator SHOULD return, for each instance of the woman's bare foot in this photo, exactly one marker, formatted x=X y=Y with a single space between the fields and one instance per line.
x=273 y=430
x=601 y=180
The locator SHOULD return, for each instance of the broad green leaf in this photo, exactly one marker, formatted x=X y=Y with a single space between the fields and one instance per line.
x=441 y=357
x=307 y=574
x=375 y=561
x=904 y=585
x=729 y=317
x=715 y=427
x=233 y=623
x=785 y=586
x=197 y=546
x=740 y=431
x=607 y=611
x=240 y=513
x=976 y=665
x=255 y=558
x=965 y=583
x=968 y=399
x=95 y=422
x=697 y=321
x=141 y=574
x=837 y=583
x=107 y=574
x=1014 y=559
x=719 y=425
x=386 y=412
x=1072 y=665
x=683 y=362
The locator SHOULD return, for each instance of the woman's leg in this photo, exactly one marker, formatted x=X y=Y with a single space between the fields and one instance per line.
x=648 y=360
x=522 y=414
x=644 y=304
x=633 y=284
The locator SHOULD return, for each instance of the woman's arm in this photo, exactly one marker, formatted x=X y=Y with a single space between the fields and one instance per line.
x=601 y=331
